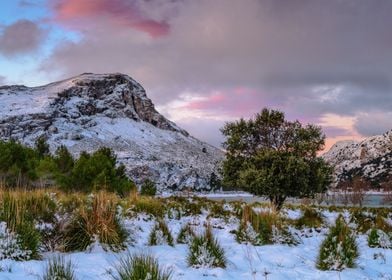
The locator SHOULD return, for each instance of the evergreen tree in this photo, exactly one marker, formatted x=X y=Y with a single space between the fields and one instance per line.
x=270 y=156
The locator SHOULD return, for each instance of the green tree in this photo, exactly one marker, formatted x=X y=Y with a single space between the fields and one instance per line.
x=148 y=188
x=42 y=147
x=17 y=164
x=270 y=156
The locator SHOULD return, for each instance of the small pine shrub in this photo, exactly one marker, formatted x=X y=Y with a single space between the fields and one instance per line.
x=186 y=235
x=377 y=238
x=310 y=218
x=58 y=269
x=205 y=251
x=148 y=188
x=137 y=267
x=160 y=235
x=339 y=250
x=96 y=221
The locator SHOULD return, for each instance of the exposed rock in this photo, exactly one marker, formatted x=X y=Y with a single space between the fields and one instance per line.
x=90 y=111
x=370 y=158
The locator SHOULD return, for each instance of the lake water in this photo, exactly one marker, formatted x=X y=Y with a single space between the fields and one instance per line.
x=370 y=200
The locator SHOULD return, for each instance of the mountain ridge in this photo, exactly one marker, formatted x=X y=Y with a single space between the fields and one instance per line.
x=90 y=110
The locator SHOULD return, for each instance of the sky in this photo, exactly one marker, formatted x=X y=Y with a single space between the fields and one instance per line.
x=206 y=62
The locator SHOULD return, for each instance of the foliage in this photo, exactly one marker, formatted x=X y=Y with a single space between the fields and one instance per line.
x=136 y=267
x=379 y=239
x=160 y=235
x=186 y=234
x=18 y=214
x=273 y=157
x=310 y=218
x=94 y=172
x=339 y=250
x=17 y=164
x=263 y=228
x=205 y=251
x=97 y=221
x=58 y=269
x=148 y=188
x=41 y=147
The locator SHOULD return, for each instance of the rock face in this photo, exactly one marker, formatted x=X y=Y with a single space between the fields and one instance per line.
x=94 y=110
x=370 y=158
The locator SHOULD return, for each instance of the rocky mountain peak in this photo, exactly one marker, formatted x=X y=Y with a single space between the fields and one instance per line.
x=93 y=110
x=370 y=158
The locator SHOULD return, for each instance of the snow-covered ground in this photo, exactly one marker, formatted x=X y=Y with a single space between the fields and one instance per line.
x=244 y=261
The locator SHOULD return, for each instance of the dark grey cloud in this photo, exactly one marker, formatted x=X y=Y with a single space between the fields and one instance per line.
x=21 y=37
x=373 y=123
x=307 y=57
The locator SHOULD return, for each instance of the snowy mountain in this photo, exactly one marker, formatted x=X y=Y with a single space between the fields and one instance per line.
x=94 y=110
x=370 y=158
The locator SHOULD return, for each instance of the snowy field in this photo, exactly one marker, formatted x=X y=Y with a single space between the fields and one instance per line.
x=244 y=261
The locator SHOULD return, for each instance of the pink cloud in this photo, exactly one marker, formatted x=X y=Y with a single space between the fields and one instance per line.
x=77 y=13
x=235 y=102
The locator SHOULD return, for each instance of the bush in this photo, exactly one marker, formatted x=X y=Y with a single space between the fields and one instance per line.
x=17 y=164
x=18 y=214
x=363 y=221
x=148 y=205
x=205 y=251
x=186 y=234
x=377 y=238
x=10 y=245
x=339 y=250
x=94 y=172
x=160 y=235
x=58 y=269
x=97 y=221
x=310 y=218
x=263 y=228
x=148 y=188
x=136 y=267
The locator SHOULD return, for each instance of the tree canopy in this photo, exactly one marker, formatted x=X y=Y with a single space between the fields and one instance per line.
x=270 y=156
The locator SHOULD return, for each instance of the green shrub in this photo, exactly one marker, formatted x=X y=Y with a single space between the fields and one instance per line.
x=148 y=188
x=363 y=221
x=205 y=251
x=160 y=235
x=17 y=164
x=310 y=218
x=339 y=250
x=58 y=269
x=186 y=234
x=10 y=245
x=17 y=214
x=137 y=267
x=377 y=238
x=94 y=171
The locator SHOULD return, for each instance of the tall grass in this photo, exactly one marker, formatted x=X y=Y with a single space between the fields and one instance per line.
x=59 y=269
x=96 y=221
x=205 y=251
x=138 y=267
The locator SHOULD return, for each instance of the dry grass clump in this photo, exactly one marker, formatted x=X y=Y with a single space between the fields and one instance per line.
x=96 y=221
x=263 y=228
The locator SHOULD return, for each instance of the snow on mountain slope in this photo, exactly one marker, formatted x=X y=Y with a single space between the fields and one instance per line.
x=94 y=110
x=370 y=158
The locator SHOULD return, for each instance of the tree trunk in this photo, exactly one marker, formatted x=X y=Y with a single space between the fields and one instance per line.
x=277 y=201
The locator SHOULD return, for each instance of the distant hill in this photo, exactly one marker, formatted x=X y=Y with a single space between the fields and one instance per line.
x=94 y=110
x=370 y=158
